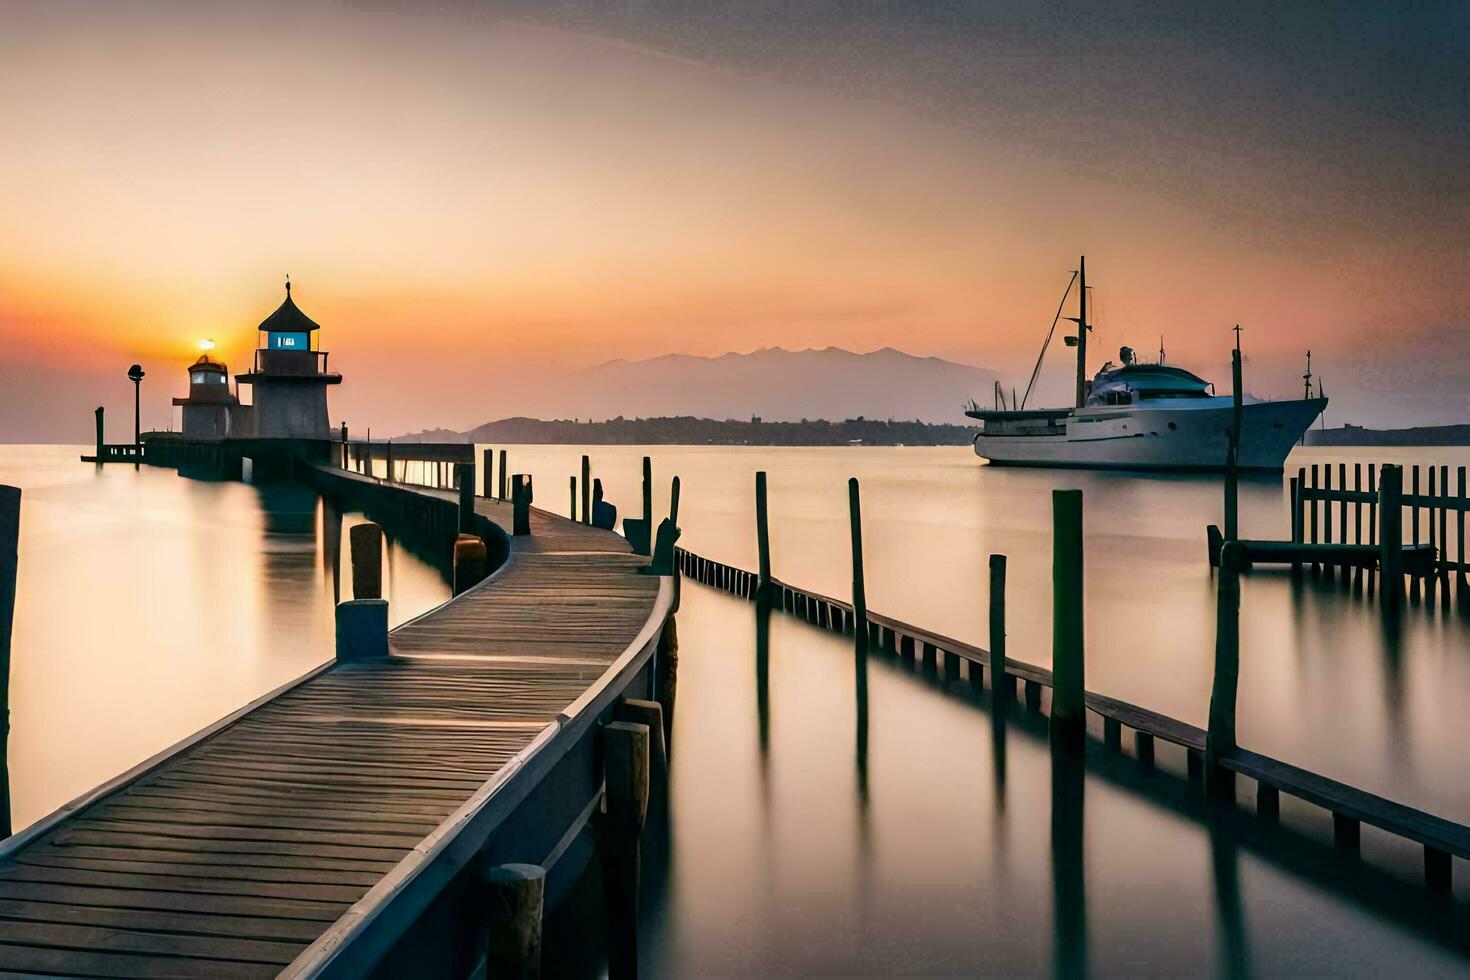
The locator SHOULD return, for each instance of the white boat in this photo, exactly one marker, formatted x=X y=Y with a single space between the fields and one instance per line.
x=1140 y=416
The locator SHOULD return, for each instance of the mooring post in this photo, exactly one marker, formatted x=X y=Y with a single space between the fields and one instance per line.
x=1220 y=737
x=666 y=679
x=1068 y=710
x=466 y=473
x=1232 y=452
x=362 y=629
x=1462 y=587
x=1390 y=536
x=515 y=896
x=504 y=476
x=521 y=505
x=674 y=501
x=762 y=537
x=470 y=562
x=859 y=592
x=367 y=561
x=650 y=714
x=101 y=441
x=625 y=776
x=487 y=466
x=586 y=490
x=572 y=507
x=648 y=504
x=388 y=469
x=345 y=463
x=1002 y=684
x=9 y=565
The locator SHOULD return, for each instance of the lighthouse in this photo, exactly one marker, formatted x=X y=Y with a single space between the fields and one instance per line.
x=211 y=411
x=290 y=376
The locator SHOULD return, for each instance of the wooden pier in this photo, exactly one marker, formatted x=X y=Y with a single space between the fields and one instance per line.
x=342 y=825
x=1213 y=755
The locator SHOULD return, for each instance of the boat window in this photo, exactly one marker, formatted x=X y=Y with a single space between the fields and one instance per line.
x=1173 y=394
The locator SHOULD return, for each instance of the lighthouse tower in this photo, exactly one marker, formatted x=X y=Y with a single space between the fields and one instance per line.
x=211 y=411
x=290 y=377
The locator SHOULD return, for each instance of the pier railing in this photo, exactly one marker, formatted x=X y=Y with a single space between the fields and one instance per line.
x=1324 y=511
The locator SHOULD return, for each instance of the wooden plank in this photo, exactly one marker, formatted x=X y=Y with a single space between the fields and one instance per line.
x=105 y=939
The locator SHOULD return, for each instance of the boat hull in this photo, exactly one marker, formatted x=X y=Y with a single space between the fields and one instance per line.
x=1193 y=438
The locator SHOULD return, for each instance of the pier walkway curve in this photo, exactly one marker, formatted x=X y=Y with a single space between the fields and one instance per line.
x=338 y=826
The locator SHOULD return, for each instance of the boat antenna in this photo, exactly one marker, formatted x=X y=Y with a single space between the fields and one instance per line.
x=1047 y=342
x=1081 y=320
x=1307 y=378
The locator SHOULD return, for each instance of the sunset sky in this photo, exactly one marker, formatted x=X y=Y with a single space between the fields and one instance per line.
x=476 y=197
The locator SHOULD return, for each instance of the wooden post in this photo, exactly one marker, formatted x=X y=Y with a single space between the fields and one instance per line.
x=1342 y=516
x=1220 y=737
x=1462 y=586
x=1358 y=524
x=572 y=507
x=859 y=592
x=1296 y=519
x=487 y=464
x=762 y=536
x=388 y=469
x=466 y=473
x=651 y=715
x=648 y=503
x=1373 y=532
x=1390 y=547
x=101 y=441
x=9 y=566
x=470 y=562
x=625 y=775
x=367 y=561
x=1316 y=568
x=586 y=490
x=1414 y=523
x=521 y=505
x=515 y=896
x=1444 y=539
x=504 y=477
x=674 y=501
x=1002 y=684
x=1068 y=710
x=345 y=463
x=1232 y=453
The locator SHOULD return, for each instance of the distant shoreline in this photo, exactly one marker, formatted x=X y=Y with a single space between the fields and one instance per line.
x=1357 y=435
x=690 y=431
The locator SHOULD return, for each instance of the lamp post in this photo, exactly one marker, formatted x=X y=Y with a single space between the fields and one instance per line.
x=135 y=375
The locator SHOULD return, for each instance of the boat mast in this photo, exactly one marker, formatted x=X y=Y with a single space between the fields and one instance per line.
x=1081 y=331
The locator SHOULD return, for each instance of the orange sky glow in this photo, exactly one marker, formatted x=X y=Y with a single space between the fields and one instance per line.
x=464 y=201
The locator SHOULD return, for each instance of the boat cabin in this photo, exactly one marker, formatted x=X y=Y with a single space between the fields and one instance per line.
x=1134 y=383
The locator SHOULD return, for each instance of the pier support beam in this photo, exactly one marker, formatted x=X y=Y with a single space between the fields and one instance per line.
x=1068 y=710
x=586 y=491
x=362 y=629
x=515 y=896
x=625 y=772
x=367 y=561
x=1390 y=536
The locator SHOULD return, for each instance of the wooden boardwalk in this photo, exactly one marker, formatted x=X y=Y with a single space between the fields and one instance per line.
x=236 y=852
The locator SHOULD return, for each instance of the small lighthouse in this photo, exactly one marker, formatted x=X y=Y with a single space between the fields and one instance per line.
x=211 y=411
x=290 y=376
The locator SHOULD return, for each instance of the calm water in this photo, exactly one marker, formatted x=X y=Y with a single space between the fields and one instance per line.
x=150 y=605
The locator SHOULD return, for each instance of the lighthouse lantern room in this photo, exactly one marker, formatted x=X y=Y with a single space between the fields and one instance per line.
x=290 y=376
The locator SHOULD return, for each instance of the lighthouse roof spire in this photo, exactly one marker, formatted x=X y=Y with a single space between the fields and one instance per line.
x=288 y=317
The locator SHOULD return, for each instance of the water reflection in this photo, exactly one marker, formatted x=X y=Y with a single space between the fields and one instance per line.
x=1094 y=863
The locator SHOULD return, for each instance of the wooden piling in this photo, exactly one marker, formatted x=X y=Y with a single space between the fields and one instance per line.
x=648 y=503
x=504 y=477
x=762 y=535
x=1316 y=568
x=625 y=765
x=466 y=473
x=586 y=491
x=1390 y=521
x=1296 y=519
x=515 y=896
x=487 y=464
x=651 y=715
x=9 y=567
x=367 y=561
x=666 y=677
x=1232 y=453
x=1001 y=682
x=1220 y=737
x=1444 y=540
x=471 y=563
x=345 y=465
x=101 y=440
x=572 y=507
x=674 y=501
x=859 y=591
x=521 y=505
x=1462 y=584
x=1068 y=712
x=388 y=454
